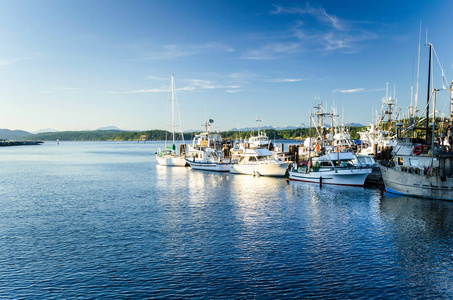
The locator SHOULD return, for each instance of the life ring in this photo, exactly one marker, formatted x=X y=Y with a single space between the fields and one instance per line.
x=417 y=150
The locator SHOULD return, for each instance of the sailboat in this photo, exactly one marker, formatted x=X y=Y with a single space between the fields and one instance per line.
x=168 y=156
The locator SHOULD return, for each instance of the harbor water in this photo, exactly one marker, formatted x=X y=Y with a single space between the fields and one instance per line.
x=102 y=220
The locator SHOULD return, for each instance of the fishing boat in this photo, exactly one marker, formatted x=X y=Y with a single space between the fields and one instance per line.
x=327 y=155
x=261 y=140
x=206 y=153
x=422 y=162
x=259 y=162
x=208 y=160
x=332 y=168
x=382 y=135
x=168 y=156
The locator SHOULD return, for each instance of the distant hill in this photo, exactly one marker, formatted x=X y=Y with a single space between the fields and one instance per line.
x=45 y=130
x=354 y=125
x=7 y=134
x=99 y=135
x=109 y=128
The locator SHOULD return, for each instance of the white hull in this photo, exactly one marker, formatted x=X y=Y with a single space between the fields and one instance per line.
x=350 y=177
x=171 y=160
x=418 y=185
x=271 y=169
x=209 y=166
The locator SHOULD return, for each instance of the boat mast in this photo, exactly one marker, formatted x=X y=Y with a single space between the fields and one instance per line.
x=451 y=114
x=429 y=92
x=418 y=71
x=173 y=107
x=309 y=148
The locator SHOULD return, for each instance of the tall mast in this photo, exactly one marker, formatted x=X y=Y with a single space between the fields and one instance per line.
x=173 y=106
x=418 y=71
x=429 y=91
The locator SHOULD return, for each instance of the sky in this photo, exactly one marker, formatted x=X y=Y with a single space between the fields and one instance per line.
x=81 y=65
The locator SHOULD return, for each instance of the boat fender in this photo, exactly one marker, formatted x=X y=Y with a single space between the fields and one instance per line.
x=417 y=150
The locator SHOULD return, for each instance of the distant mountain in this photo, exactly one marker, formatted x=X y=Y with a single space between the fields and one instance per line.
x=7 y=134
x=354 y=125
x=109 y=128
x=45 y=130
x=191 y=130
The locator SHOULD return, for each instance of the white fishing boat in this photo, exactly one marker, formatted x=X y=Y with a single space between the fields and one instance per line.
x=422 y=161
x=208 y=160
x=168 y=156
x=206 y=153
x=332 y=168
x=261 y=140
x=259 y=162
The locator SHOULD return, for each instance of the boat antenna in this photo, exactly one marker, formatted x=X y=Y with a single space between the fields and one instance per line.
x=386 y=90
x=259 y=121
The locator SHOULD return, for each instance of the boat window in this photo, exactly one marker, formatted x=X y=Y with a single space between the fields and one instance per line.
x=252 y=158
x=400 y=161
x=413 y=162
x=264 y=157
x=346 y=163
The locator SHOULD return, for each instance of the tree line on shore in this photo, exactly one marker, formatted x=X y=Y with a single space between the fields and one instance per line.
x=159 y=135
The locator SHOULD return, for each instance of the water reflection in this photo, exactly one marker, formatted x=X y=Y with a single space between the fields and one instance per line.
x=252 y=196
x=422 y=231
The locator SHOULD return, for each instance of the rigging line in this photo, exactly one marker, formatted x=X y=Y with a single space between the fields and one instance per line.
x=440 y=66
x=179 y=117
x=422 y=113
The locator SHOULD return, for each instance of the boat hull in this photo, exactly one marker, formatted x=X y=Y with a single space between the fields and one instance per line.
x=171 y=160
x=273 y=169
x=348 y=177
x=209 y=166
x=416 y=185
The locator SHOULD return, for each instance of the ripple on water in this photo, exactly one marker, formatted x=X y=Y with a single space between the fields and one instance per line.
x=101 y=220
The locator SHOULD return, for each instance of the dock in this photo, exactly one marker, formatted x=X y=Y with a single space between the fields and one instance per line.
x=19 y=143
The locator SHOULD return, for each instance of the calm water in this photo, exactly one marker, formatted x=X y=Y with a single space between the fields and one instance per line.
x=101 y=220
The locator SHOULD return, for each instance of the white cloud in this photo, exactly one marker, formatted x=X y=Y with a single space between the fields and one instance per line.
x=358 y=90
x=172 y=51
x=234 y=91
x=5 y=62
x=286 y=80
x=192 y=85
x=318 y=13
x=144 y=91
x=319 y=29
x=349 y=91
x=273 y=51
x=60 y=89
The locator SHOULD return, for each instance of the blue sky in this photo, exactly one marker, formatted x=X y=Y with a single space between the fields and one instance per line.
x=75 y=65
